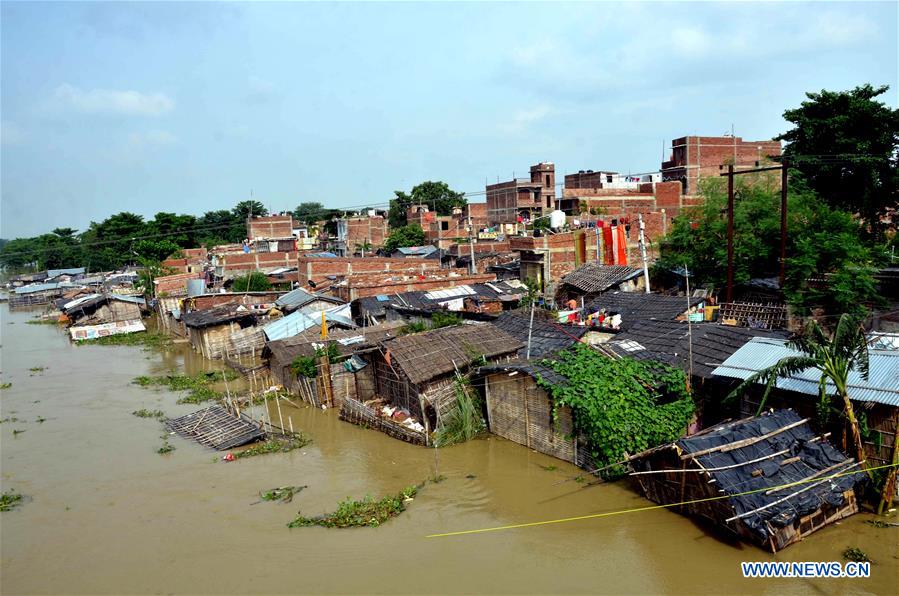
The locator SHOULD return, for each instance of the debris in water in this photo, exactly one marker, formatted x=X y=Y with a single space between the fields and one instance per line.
x=353 y=514
x=17 y=431
x=37 y=369
x=5 y=385
x=550 y=468
x=276 y=444
x=41 y=419
x=9 y=500
x=282 y=493
x=144 y=413
x=882 y=524
x=856 y=554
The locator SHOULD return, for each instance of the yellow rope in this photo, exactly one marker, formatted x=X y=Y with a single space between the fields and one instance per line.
x=650 y=507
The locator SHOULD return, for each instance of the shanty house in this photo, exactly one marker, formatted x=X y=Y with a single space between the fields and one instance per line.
x=99 y=315
x=520 y=410
x=767 y=479
x=210 y=330
x=876 y=399
x=416 y=373
x=545 y=335
x=591 y=279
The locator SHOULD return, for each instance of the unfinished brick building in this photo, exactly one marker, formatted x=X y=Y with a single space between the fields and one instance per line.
x=320 y=269
x=354 y=233
x=272 y=227
x=694 y=158
x=522 y=197
x=375 y=284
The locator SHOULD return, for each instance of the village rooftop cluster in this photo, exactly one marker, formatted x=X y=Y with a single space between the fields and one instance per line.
x=486 y=310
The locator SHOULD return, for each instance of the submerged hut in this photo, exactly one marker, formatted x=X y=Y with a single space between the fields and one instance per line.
x=210 y=330
x=414 y=376
x=520 y=410
x=767 y=479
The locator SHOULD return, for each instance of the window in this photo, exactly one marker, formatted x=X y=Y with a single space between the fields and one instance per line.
x=609 y=178
x=548 y=183
x=444 y=225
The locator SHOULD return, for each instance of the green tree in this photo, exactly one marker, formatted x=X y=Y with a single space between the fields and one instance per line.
x=822 y=242
x=109 y=244
x=846 y=145
x=438 y=196
x=245 y=209
x=312 y=212
x=254 y=282
x=179 y=229
x=221 y=227
x=411 y=235
x=150 y=270
x=833 y=356
x=155 y=250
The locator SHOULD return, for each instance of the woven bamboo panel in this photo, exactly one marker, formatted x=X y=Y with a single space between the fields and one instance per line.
x=358 y=413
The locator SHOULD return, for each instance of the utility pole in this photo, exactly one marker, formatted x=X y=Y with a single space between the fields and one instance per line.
x=783 y=167
x=643 y=252
x=471 y=266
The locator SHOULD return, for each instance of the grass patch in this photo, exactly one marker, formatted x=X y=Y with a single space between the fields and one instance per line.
x=199 y=387
x=464 y=421
x=362 y=513
x=278 y=444
x=282 y=493
x=146 y=339
x=856 y=554
x=144 y=413
x=9 y=500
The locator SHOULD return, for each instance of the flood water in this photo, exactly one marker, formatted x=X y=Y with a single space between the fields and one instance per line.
x=107 y=514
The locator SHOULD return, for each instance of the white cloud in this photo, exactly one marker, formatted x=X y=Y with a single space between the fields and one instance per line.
x=112 y=101
x=10 y=134
x=522 y=119
x=690 y=41
x=152 y=138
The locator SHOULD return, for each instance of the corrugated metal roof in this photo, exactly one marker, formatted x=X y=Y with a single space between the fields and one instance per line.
x=70 y=271
x=299 y=297
x=31 y=289
x=297 y=322
x=758 y=354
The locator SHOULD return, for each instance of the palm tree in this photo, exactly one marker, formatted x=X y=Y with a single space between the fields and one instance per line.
x=833 y=356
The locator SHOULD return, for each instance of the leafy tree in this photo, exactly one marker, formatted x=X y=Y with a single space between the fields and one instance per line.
x=245 y=209
x=254 y=282
x=20 y=254
x=310 y=213
x=822 y=241
x=411 y=235
x=833 y=356
x=150 y=270
x=221 y=227
x=438 y=196
x=155 y=250
x=846 y=144
x=179 y=229
x=109 y=243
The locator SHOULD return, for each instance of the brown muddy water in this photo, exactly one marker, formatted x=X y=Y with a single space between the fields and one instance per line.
x=107 y=514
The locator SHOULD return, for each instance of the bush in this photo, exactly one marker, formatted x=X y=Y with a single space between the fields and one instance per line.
x=254 y=282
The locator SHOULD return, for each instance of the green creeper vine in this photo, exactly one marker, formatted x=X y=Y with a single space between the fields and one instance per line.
x=620 y=406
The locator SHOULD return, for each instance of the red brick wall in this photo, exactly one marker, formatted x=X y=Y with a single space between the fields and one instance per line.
x=243 y=262
x=318 y=268
x=174 y=285
x=366 y=229
x=361 y=286
x=275 y=226
x=209 y=300
x=460 y=250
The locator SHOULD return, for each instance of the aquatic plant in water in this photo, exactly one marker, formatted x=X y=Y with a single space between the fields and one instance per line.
x=464 y=421
x=282 y=493
x=9 y=500
x=856 y=554
x=276 y=444
x=198 y=386
x=144 y=413
x=146 y=339
x=5 y=385
x=359 y=513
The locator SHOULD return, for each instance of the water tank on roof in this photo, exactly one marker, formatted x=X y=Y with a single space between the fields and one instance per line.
x=196 y=287
x=557 y=219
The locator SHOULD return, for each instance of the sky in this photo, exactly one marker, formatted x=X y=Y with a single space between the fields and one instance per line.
x=192 y=107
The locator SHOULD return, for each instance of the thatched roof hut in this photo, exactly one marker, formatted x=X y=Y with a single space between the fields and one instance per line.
x=779 y=482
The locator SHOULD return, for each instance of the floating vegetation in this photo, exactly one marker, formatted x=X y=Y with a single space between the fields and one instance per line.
x=40 y=420
x=856 y=554
x=437 y=478
x=17 y=431
x=144 y=413
x=146 y=339
x=9 y=500
x=550 y=468
x=43 y=321
x=881 y=524
x=364 y=513
x=37 y=369
x=9 y=419
x=5 y=385
x=276 y=444
x=199 y=386
x=166 y=446
x=282 y=493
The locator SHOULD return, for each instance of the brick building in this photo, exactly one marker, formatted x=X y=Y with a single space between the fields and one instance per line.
x=272 y=227
x=319 y=269
x=694 y=158
x=375 y=284
x=234 y=264
x=525 y=197
x=446 y=231
x=356 y=232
